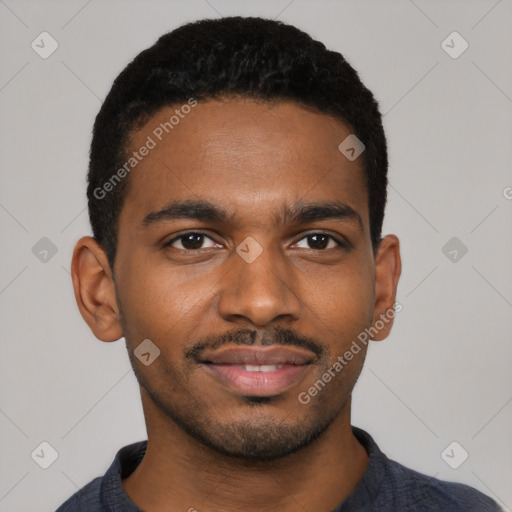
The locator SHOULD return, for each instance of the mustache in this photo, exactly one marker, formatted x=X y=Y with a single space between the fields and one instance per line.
x=276 y=336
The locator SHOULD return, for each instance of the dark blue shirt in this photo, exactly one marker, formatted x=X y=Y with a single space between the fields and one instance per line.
x=386 y=486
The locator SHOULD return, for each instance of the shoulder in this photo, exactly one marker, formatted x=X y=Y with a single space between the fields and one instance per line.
x=86 y=499
x=416 y=491
x=390 y=486
x=107 y=491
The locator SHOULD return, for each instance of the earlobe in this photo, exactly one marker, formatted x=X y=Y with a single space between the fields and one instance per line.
x=388 y=267
x=94 y=290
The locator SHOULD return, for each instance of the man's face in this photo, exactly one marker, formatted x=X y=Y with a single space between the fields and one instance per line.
x=249 y=310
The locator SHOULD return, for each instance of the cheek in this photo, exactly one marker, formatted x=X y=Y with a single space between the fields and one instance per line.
x=160 y=304
x=342 y=300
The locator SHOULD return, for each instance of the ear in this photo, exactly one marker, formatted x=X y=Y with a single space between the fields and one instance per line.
x=94 y=290
x=388 y=267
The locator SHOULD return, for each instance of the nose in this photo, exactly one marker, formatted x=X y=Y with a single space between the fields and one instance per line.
x=259 y=292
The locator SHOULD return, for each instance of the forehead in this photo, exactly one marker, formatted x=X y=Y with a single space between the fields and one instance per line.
x=251 y=158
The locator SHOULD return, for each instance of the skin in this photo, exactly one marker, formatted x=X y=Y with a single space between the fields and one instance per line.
x=209 y=448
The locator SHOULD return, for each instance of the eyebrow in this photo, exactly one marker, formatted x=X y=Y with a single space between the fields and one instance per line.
x=299 y=213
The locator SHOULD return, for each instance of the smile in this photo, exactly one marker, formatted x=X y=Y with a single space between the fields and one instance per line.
x=256 y=370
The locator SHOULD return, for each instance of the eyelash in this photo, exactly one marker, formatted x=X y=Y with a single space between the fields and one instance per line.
x=339 y=243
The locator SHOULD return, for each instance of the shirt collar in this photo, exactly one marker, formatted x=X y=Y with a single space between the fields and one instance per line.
x=368 y=487
x=113 y=497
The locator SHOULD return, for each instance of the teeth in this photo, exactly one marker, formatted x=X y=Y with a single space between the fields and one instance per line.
x=262 y=368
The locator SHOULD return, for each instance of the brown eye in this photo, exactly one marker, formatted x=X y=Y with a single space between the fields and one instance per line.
x=191 y=241
x=320 y=241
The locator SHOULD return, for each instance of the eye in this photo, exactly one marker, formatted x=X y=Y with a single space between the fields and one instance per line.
x=320 y=241
x=191 y=241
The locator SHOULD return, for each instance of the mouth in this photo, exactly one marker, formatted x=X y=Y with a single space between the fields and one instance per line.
x=258 y=371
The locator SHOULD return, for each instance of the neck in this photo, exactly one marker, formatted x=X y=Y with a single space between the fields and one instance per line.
x=179 y=473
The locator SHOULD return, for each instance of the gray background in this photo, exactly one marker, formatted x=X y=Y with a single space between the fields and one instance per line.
x=443 y=375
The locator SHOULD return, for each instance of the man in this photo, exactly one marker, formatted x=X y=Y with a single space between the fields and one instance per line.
x=237 y=186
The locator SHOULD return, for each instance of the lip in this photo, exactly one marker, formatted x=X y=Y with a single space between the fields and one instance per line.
x=227 y=366
x=257 y=355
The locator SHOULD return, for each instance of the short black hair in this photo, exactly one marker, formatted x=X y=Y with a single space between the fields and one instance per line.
x=222 y=58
